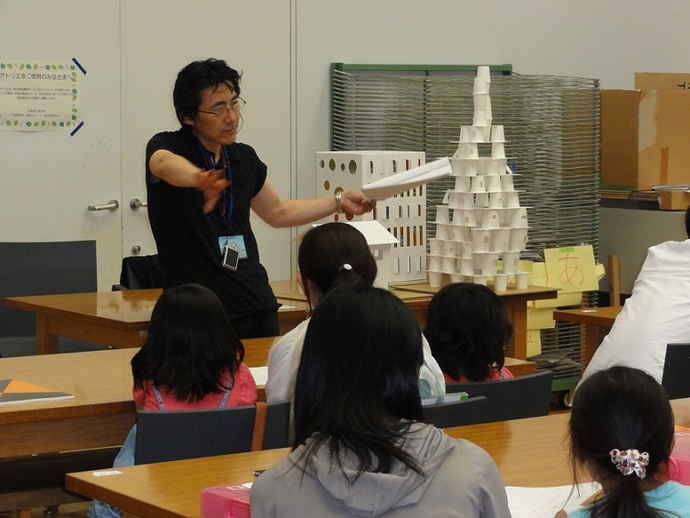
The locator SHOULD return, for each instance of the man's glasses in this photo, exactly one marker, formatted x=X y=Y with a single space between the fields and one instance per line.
x=219 y=111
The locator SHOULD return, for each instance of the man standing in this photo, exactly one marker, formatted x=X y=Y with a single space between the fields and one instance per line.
x=201 y=184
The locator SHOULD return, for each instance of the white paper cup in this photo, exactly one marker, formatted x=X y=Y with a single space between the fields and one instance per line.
x=481 y=200
x=521 y=280
x=511 y=199
x=457 y=277
x=477 y=184
x=484 y=73
x=435 y=246
x=496 y=200
x=481 y=240
x=481 y=86
x=497 y=133
x=498 y=150
x=461 y=200
x=465 y=134
x=511 y=261
x=435 y=279
x=497 y=166
x=467 y=266
x=519 y=218
x=448 y=264
x=443 y=232
x=465 y=217
x=490 y=218
x=449 y=248
x=435 y=262
x=507 y=183
x=442 y=214
x=480 y=279
x=481 y=99
x=518 y=239
x=462 y=184
x=500 y=239
x=493 y=183
x=500 y=282
x=461 y=234
x=480 y=118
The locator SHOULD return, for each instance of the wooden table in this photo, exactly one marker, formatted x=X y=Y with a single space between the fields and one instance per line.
x=114 y=318
x=597 y=323
x=529 y=452
x=515 y=302
x=121 y=318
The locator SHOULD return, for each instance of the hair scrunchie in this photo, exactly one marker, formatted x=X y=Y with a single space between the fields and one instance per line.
x=630 y=461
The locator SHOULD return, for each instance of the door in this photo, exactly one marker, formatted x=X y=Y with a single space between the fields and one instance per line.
x=131 y=52
x=50 y=178
x=254 y=38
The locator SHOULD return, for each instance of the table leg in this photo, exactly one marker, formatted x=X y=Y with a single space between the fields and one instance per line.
x=46 y=343
x=517 y=314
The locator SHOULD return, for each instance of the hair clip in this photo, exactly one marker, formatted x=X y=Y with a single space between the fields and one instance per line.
x=345 y=266
x=630 y=461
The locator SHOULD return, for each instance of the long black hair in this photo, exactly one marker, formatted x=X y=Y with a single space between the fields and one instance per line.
x=332 y=254
x=467 y=327
x=621 y=408
x=357 y=384
x=190 y=344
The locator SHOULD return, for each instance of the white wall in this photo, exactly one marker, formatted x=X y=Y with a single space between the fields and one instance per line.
x=608 y=40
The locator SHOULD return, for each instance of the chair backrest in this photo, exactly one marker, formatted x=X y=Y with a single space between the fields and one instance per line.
x=456 y=413
x=186 y=434
x=514 y=398
x=140 y=272
x=277 y=425
x=42 y=269
x=676 y=374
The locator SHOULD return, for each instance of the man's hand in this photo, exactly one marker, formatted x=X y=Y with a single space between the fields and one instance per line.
x=354 y=202
x=211 y=183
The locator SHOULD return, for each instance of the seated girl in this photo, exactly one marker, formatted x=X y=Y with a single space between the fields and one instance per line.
x=621 y=432
x=191 y=359
x=467 y=327
x=360 y=449
x=331 y=255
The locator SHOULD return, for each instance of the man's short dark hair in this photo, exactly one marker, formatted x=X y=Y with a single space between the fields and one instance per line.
x=197 y=77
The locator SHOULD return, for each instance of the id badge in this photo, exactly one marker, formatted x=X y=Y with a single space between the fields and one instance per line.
x=231 y=256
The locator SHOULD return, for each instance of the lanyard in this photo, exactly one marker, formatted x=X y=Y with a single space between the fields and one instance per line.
x=226 y=207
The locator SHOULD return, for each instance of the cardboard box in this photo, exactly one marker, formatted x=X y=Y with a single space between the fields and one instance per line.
x=674 y=200
x=656 y=81
x=645 y=138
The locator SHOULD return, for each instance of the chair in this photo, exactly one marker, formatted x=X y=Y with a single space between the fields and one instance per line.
x=186 y=434
x=676 y=374
x=515 y=398
x=456 y=413
x=276 y=429
x=44 y=268
x=140 y=272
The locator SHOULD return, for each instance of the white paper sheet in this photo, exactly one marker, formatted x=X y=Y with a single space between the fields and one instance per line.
x=545 y=502
x=406 y=180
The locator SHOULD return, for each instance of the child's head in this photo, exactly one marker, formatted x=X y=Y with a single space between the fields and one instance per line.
x=190 y=344
x=358 y=374
x=467 y=327
x=622 y=408
x=333 y=254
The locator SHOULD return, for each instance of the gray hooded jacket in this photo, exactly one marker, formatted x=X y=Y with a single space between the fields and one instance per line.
x=461 y=481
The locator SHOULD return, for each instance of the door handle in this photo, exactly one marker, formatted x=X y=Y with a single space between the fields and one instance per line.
x=136 y=204
x=111 y=205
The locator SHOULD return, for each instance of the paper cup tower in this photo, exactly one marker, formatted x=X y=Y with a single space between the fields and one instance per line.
x=480 y=223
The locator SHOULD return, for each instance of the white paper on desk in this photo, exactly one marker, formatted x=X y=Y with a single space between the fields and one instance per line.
x=545 y=502
x=406 y=180
x=260 y=374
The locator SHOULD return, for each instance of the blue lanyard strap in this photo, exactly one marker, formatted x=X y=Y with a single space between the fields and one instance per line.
x=227 y=206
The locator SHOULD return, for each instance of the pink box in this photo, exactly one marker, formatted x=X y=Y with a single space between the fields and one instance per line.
x=679 y=464
x=225 y=502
